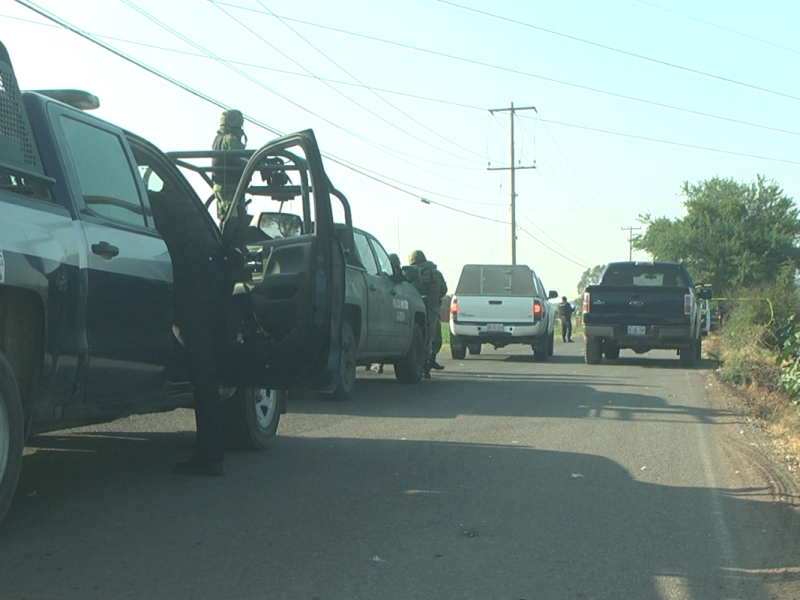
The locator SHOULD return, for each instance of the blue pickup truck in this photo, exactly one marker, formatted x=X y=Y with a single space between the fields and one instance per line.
x=644 y=306
x=86 y=282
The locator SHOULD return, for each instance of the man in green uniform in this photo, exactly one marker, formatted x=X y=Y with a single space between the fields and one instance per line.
x=436 y=342
x=230 y=136
x=429 y=287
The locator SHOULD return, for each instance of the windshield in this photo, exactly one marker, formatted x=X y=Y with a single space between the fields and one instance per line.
x=495 y=280
x=645 y=275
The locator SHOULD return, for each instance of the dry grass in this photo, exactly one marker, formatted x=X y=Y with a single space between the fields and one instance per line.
x=750 y=375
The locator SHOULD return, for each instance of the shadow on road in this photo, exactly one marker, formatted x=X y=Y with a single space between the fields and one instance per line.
x=98 y=516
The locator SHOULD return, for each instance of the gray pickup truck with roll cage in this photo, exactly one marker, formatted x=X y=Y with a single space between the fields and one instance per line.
x=644 y=306
x=384 y=315
x=86 y=281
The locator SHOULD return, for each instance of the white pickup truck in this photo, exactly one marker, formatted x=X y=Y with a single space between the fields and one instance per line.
x=501 y=305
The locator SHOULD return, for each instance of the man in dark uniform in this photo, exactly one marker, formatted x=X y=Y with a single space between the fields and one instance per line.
x=200 y=292
x=429 y=287
x=565 y=310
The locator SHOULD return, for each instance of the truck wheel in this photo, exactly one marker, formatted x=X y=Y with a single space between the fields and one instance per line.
x=347 y=367
x=612 y=353
x=409 y=368
x=688 y=356
x=540 y=349
x=700 y=349
x=253 y=416
x=593 y=350
x=459 y=353
x=474 y=349
x=551 y=344
x=11 y=435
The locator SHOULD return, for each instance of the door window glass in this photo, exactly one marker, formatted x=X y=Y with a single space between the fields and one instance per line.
x=365 y=254
x=384 y=264
x=107 y=182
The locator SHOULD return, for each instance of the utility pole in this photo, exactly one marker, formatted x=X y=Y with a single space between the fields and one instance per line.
x=513 y=168
x=630 y=231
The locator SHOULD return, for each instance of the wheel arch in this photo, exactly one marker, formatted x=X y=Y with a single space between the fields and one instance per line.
x=22 y=340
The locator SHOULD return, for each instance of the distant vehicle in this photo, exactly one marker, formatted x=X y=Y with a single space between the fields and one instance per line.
x=501 y=305
x=643 y=306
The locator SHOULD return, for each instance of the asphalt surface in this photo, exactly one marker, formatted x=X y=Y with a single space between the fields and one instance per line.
x=499 y=479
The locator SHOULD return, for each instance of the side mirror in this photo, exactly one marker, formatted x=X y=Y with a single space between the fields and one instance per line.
x=280 y=225
x=552 y=294
x=705 y=293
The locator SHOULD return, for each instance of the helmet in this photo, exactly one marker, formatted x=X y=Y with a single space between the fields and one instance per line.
x=231 y=118
x=417 y=256
x=395 y=260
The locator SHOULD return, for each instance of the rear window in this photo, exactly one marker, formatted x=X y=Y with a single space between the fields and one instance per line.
x=645 y=275
x=496 y=280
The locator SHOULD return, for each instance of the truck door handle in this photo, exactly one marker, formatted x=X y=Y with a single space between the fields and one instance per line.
x=372 y=288
x=495 y=301
x=105 y=250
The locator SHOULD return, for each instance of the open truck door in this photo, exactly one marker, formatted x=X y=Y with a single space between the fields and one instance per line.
x=284 y=318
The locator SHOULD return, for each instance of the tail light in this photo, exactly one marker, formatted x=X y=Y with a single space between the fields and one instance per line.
x=537 y=310
x=587 y=302
x=454 y=308
x=687 y=304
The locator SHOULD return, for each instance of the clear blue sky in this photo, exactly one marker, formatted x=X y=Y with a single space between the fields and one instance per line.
x=633 y=97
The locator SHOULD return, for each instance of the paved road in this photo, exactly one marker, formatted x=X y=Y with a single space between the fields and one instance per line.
x=500 y=479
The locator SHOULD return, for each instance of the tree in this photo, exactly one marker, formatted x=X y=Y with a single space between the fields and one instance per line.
x=733 y=235
x=590 y=277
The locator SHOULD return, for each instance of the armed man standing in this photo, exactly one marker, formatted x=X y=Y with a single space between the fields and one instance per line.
x=226 y=175
x=565 y=310
x=429 y=287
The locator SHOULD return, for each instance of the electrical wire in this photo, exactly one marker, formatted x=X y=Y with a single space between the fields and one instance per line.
x=617 y=50
x=390 y=151
x=720 y=27
x=671 y=143
x=405 y=114
x=524 y=73
x=377 y=177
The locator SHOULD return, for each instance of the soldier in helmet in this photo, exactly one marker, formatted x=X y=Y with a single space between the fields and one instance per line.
x=230 y=136
x=429 y=285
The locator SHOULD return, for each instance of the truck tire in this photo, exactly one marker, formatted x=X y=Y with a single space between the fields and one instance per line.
x=612 y=353
x=458 y=352
x=593 y=352
x=12 y=435
x=474 y=349
x=540 y=349
x=409 y=368
x=688 y=356
x=253 y=416
x=347 y=366
x=699 y=349
x=551 y=344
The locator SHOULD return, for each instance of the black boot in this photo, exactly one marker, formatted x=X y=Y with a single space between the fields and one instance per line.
x=435 y=366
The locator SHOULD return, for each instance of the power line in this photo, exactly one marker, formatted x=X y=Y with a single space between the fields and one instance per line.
x=417 y=96
x=720 y=27
x=523 y=73
x=618 y=50
x=566 y=160
x=356 y=79
x=681 y=144
x=377 y=177
x=259 y=83
x=538 y=241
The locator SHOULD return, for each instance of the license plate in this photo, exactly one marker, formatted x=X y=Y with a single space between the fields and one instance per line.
x=494 y=327
x=637 y=330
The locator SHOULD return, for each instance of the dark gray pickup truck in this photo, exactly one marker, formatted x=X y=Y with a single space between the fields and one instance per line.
x=87 y=289
x=643 y=306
